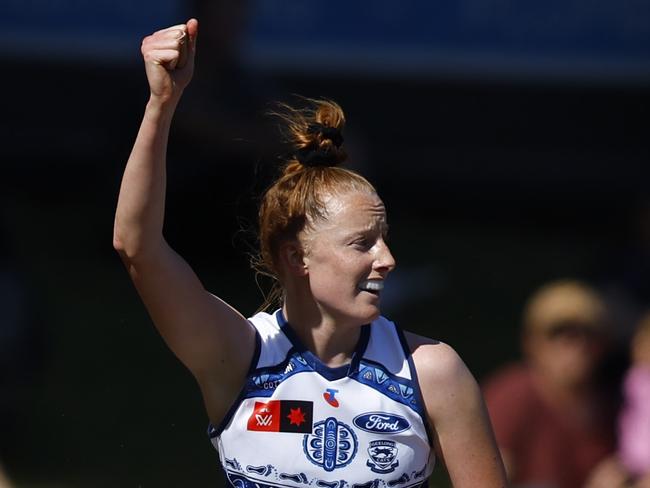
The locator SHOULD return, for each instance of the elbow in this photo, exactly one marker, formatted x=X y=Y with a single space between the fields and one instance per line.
x=118 y=245
x=132 y=247
x=119 y=235
x=125 y=245
x=126 y=239
x=118 y=239
x=121 y=247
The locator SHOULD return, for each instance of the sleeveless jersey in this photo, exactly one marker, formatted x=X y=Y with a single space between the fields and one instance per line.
x=298 y=423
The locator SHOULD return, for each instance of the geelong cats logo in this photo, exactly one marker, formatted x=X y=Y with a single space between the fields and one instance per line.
x=332 y=445
x=382 y=454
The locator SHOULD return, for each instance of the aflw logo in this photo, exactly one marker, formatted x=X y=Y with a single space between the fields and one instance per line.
x=264 y=420
x=281 y=416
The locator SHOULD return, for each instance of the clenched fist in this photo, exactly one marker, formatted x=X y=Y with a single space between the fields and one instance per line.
x=169 y=59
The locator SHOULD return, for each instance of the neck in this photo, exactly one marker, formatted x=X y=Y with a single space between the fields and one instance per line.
x=333 y=343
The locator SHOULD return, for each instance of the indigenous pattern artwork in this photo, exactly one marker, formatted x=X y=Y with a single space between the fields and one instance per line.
x=298 y=423
x=332 y=445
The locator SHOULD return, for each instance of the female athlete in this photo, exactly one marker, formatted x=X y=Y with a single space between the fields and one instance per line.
x=325 y=391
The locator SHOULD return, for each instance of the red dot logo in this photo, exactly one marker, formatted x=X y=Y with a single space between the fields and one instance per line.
x=329 y=397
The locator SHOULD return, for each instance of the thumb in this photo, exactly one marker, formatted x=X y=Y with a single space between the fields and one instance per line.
x=187 y=50
x=193 y=32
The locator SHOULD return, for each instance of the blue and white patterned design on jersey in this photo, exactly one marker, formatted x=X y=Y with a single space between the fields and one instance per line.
x=232 y=464
x=265 y=383
x=297 y=478
x=332 y=445
x=241 y=481
x=330 y=484
x=399 y=481
x=261 y=470
x=394 y=387
x=375 y=398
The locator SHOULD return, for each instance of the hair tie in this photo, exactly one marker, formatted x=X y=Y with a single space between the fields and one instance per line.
x=318 y=157
x=327 y=132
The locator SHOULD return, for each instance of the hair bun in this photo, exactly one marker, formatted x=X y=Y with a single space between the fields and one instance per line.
x=323 y=154
x=326 y=132
x=313 y=158
x=314 y=133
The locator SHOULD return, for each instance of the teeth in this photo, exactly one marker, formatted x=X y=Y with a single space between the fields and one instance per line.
x=371 y=285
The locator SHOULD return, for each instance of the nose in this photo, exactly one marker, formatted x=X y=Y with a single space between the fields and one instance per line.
x=385 y=262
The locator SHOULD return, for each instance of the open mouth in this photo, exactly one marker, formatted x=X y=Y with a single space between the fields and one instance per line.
x=371 y=286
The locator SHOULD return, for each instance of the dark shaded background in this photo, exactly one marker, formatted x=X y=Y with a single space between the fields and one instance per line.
x=499 y=173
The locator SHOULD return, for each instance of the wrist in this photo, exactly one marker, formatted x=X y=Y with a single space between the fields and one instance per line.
x=165 y=102
x=161 y=107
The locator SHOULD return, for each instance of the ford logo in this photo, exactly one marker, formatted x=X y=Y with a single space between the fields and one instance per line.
x=381 y=422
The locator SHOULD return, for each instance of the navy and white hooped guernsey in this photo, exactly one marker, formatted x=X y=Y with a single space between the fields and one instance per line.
x=298 y=423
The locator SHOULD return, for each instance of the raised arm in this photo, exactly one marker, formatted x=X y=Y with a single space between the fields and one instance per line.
x=212 y=339
x=463 y=437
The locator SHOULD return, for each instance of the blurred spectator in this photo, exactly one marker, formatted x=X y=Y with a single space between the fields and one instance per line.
x=634 y=426
x=630 y=467
x=553 y=421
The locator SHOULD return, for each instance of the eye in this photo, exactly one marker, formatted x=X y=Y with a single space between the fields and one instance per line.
x=385 y=231
x=363 y=243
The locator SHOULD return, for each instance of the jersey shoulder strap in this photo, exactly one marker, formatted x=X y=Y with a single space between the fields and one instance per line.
x=274 y=344
x=388 y=348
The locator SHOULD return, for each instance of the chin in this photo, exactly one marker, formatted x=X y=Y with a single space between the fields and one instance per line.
x=373 y=314
x=358 y=318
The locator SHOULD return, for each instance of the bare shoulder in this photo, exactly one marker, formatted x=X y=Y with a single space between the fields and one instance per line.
x=436 y=361
x=447 y=385
x=462 y=436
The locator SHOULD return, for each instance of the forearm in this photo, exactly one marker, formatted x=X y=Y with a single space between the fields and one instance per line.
x=141 y=204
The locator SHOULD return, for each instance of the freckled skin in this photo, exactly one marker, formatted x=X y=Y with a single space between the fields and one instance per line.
x=320 y=277
x=343 y=250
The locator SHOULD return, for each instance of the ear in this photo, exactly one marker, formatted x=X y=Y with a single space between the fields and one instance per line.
x=293 y=258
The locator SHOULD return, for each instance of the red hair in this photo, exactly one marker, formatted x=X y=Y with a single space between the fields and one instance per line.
x=297 y=198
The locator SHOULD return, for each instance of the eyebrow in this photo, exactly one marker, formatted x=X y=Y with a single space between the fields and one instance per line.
x=382 y=226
